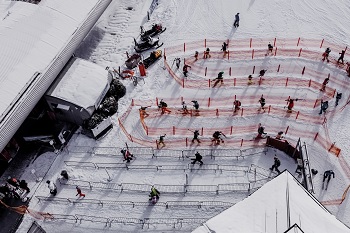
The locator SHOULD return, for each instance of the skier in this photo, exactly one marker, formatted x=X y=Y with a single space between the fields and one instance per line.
x=163 y=106
x=237 y=105
x=196 y=55
x=52 y=187
x=64 y=174
x=185 y=69
x=154 y=195
x=79 y=192
x=262 y=102
x=236 y=23
x=262 y=73
x=177 y=62
x=161 y=140
x=290 y=103
x=195 y=136
x=127 y=155
x=327 y=175
x=269 y=48
x=260 y=131
x=184 y=107
x=219 y=79
x=325 y=82
x=250 y=79
x=224 y=48
x=207 y=53
x=143 y=113
x=195 y=104
x=216 y=137
x=198 y=158
x=326 y=53
x=337 y=98
x=276 y=164
x=341 y=57
x=324 y=106
x=279 y=135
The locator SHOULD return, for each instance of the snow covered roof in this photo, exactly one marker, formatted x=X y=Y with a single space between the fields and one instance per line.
x=81 y=83
x=31 y=36
x=271 y=207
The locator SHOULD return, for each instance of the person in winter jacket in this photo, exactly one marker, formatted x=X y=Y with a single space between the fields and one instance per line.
x=269 y=47
x=236 y=23
x=161 y=140
x=327 y=175
x=237 y=105
x=276 y=164
x=24 y=185
x=207 y=53
x=177 y=62
x=79 y=192
x=198 y=158
x=195 y=104
x=324 y=106
x=143 y=113
x=216 y=137
x=261 y=130
x=196 y=55
x=262 y=73
x=154 y=194
x=164 y=107
x=290 y=104
x=325 y=55
x=250 y=79
x=262 y=102
x=127 y=155
x=219 y=79
x=337 y=98
x=184 y=107
x=195 y=136
x=224 y=47
x=52 y=187
x=279 y=135
x=341 y=58
x=185 y=69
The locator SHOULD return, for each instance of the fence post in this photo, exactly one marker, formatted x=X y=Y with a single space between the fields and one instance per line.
x=315 y=103
x=297 y=115
x=208 y=102
x=334 y=92
x=205 y=72
x=229 y=71
x=184 y=47
x=242 y=142
x=234 y=82
x=276 y=51
x=321 y=43
x=316 y=136
x=202 y=131
x=287 y=81
x=310 y=83
x=260 y=80
x=146 y=130
x=302 y=72
x=278 y=69
x=300 y=51
x=274 y=42
x=242 y=112
x=298 y=41
x=205 y=43
x=186 y=142
x=209 y=83
x=228 y=55
x=253 y=54
x=231 y=130
x=183 y=83
x=269 y=109
x=253 y=69
x=173 y=130
x=217 y=112
x=286 y=130
x=250 y=43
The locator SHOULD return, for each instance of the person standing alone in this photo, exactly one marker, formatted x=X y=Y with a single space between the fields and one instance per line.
x=236 y=23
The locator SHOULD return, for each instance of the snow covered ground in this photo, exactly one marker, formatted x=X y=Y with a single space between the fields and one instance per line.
x=124 y=192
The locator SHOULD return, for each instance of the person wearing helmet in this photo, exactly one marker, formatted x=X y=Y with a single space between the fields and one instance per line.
x=219 y=79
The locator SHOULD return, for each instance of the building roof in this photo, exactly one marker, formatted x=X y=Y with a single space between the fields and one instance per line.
x=275 y=207
x=31 y=36
x=82 y=83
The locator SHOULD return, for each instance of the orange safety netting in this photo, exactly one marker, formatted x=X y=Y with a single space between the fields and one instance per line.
x=25 y=210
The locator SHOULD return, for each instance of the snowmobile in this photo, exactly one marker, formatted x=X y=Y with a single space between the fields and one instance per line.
x=153 y=57
x=150 y=43
x=155 y=30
